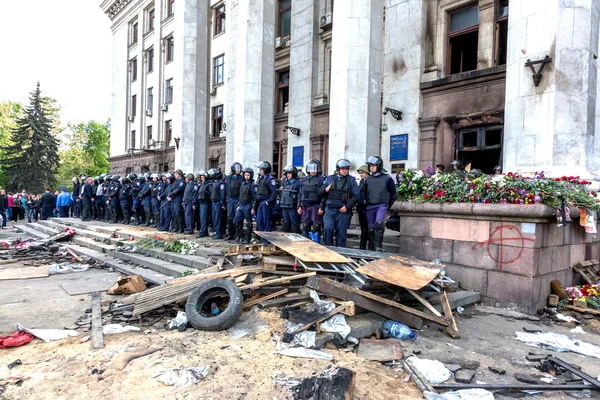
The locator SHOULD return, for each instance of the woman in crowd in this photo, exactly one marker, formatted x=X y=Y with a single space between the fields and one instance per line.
x=16 y=208
x=23 y=211
x=10 y=205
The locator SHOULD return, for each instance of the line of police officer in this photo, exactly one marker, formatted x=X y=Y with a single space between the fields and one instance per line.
x=317 y=206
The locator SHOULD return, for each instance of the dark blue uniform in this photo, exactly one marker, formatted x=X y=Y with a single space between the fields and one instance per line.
x=155 y=203
x=379 y=192
x=86 y=201
x=244 y=211
x=176 y=196
x=76 y=201
x=266 y=193
x=136 y=208
x=203 y=205
x=166 y=210
x=188 y=203
x=113 y=196
x=344 y=192
x=125 y=201
x=289 y=205
x=218 y=195
x=234 y=182
x=145 y=197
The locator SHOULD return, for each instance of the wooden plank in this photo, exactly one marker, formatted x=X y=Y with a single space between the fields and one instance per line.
x=16 y=260
x=302 y=248
x=315 y=321
x=387 y=308
x=222 y=274
x=238 y=261
x=23 y=273
x=75 y=256
x=452 y=329
x=406 y=272
x=425 y=303
x=283 y=301
x=279 y=280
x=96 y=333
x=77 y=287
x=583 y=310
x=219 y=264
x=349 y=311
x=254 y=302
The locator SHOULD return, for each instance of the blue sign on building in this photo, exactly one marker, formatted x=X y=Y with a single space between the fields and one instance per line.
x=298 y=156
x=399 y=147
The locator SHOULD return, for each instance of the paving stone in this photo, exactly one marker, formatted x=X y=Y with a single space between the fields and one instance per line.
x=452 y=367
x=528 y=378
x=497 y=370
x=470 y=365
x=464 y=376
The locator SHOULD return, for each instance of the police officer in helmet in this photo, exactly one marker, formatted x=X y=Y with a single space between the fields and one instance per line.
x=266 y=194
x=341 y=194
x=309 y=199
x=380 y=193
x=234 y=182
x=289 y=200
x=203 y=204
x=245 y=206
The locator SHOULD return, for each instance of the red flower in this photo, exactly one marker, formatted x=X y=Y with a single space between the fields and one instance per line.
x=425 y=196
x=557 y=179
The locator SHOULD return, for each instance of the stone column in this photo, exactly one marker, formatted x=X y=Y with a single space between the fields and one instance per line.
x=303 y=74
x=355 y=111
x=404 y=59
x=429 y=143
x=551 y=127
x=250 y=81
x=485 y=38
x=192 y=46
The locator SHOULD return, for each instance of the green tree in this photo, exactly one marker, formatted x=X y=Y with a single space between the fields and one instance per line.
x=86 y=152
x=32 y=158
x=9 y=111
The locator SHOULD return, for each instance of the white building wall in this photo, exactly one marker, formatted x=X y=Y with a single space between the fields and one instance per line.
x=119 y=93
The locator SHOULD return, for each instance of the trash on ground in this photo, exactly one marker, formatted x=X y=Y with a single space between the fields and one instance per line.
x=15 y=363
x=16 y=339
x=67 y=268
x=180 y=322
x=117 y=328
x=380 y=350
x=129 y=285
x=249 y=324
x=434 y=371
x=336 y=324
x=49 y=335
x=133 y=353
x=333 y=383
x=182 y=377
x=566 y=318
x=465 y=394
x=303 y=352
x=559 y=343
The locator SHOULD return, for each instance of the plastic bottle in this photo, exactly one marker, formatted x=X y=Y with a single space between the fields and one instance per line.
x=398 y=330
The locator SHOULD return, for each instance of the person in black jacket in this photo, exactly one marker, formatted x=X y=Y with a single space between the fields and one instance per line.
x=47 y=202
x=3 y=207
x=87 y=197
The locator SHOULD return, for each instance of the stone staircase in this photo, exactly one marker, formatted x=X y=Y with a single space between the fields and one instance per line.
x=100 y=241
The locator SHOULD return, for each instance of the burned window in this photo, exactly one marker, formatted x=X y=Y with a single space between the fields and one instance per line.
x=463 y=35
x=481 y=147
x=501 y=32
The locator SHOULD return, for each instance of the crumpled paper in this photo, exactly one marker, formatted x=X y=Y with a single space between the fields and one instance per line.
x=559 y=343
x=336 y=324
x=182 y=377
x=117 y=328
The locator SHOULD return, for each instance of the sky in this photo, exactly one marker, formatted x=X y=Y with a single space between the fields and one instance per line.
x=66 y=45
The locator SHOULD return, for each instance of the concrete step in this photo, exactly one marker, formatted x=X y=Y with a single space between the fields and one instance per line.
x=147 y=274
x=42 y=228
x=32 y=232
x=82 y=231
x=387 y=246
x=125 y=233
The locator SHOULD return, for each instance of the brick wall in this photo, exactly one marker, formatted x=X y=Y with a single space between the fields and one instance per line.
x=509 y=253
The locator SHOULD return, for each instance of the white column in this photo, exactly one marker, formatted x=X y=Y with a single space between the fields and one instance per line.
x=551 y=127
x=192 y=45
x=303 y=74
x=355 y=81
x=403 y=66
x=250 y=81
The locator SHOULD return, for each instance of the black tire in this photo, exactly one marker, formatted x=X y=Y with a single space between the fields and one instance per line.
x=207 y=293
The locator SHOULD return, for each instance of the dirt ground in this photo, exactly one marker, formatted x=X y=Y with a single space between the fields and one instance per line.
x=239 y=368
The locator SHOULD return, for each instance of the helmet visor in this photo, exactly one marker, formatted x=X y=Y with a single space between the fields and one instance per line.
x=312 y=167
x=373 y=160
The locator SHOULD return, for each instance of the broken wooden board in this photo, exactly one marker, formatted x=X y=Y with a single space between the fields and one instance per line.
x=96 y=333
x=406 y=272
x=379 y=305
x=77 y=287
x=380 y=350
x=253 y=302
x=23 y=273
x=588 y=270
x=303 y=248
x=284 y=301
x=222 y=274
x=452 y=329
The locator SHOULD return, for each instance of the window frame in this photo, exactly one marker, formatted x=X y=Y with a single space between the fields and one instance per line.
x=151 y=19
x=134 y=32
x=170 y=7
x=150 y=98
x=134 y=69
x=132 y=139
x=280 y=87
x=148 y=133
x=450 y=35
x=150 y=59
x=170 y=48
x=169 y=91
x=168 y=131
x=499 y=20
x=220 y=19
x=280 y=13
x=133 y=105
x=216 y=67
x=217 y=120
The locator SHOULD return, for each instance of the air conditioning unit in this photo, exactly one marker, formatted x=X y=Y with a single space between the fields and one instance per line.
x=214 y=91
x=326 y=20
x=130 y=118
x=278 y=42
x=149 y=112
x=164 y=107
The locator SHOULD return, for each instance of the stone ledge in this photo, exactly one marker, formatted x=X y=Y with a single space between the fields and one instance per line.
x=450 y=210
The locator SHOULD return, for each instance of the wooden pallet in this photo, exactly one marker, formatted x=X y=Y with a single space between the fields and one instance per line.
x=588 y=270
x=252 y=249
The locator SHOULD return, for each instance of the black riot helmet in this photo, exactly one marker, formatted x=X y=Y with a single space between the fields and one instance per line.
x=459 y=165
x=376 y=161
x=215 y=173
x=342 y=163
x=116 y=178
x=202 y=173
x=291 y=169
x=314 y=166
x=265 y=166
x=236 y=167
x=132 y=176
x=248 y=171
x=498 y=169
x=108 y=178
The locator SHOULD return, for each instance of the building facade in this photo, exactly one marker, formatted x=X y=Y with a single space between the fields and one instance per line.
x=421 y=82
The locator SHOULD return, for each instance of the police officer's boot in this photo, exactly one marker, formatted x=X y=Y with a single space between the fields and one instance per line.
x=248 y=237
x=305 y=229
x=379 y=230
x=372 y=239
x=181 y=222
x=155 y=219
x=174 y=223
x=239 y=229
x=147 y=212
x=230 y=230
x=363 y=241
x=126 y=217
x=317 y=233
